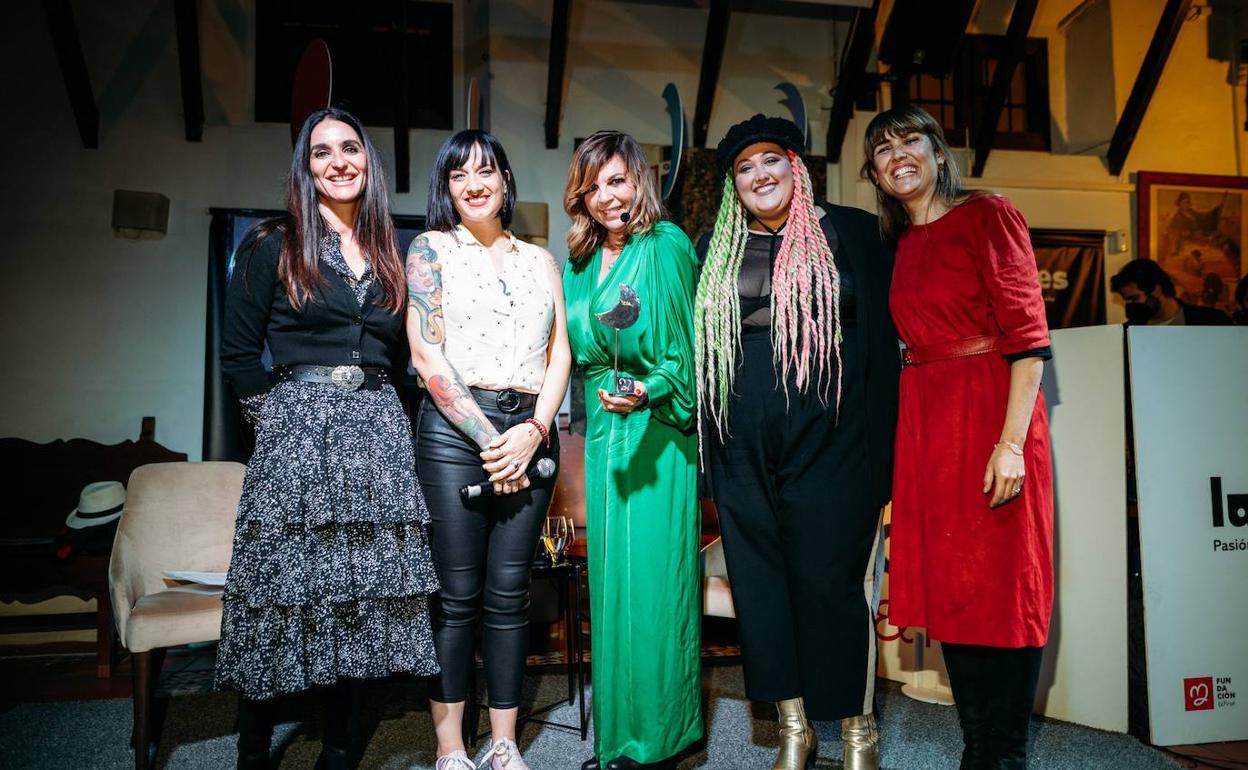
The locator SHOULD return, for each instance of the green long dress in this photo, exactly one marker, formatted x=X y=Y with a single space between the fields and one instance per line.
x=642 y=500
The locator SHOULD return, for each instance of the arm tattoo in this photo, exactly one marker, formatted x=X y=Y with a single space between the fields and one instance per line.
x=424 y=289
x=450 y=396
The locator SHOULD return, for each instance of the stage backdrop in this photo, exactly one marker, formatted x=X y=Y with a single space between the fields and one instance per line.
x=1084 y=675
x=1188 y=387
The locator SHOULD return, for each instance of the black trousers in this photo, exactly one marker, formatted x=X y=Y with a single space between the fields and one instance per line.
x=341 y=704
x=994 y=688
x=482 y=551
x=790 y=485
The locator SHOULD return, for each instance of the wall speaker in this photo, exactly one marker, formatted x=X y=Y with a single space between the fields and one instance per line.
x=140 y=215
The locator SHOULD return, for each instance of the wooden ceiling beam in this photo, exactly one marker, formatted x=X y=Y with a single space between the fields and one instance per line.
x=73 y=65
x=1002 y=77
x=560 y=17
x=1172 y=18
x=186 y=19
x=712 y=62
x=850 y=75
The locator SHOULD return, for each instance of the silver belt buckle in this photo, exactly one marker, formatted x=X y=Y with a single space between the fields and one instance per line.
x=347 y=378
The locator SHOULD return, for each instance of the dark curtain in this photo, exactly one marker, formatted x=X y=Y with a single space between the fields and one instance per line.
x=1072 y=276
x=226 y=435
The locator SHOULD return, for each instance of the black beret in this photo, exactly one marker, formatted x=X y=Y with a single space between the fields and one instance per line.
x=759 y=128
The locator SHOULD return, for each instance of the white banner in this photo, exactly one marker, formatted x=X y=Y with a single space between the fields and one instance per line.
x=1189 y=389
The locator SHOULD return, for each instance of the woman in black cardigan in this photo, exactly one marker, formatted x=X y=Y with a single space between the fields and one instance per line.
x=798 y=366
x=331 y=567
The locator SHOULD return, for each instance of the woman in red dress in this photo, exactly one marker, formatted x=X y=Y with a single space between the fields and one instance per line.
x=972 y=520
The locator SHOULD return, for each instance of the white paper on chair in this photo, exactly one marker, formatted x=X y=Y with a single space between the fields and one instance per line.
x=203 y=578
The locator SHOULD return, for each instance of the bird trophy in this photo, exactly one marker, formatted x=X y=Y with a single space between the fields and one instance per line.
x=622 y=316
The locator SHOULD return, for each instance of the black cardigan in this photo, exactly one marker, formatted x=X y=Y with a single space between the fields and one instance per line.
x=330 y=330
x=857 y=235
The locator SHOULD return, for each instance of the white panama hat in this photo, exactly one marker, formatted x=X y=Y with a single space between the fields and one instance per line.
x=99 y=503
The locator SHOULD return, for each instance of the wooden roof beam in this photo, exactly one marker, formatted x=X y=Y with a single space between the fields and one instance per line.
x=1172 y=18
x=73 y=70
x=850 y=75
x=560 y=15
x=186 y=19
x=712 y=62
x=1015 y=46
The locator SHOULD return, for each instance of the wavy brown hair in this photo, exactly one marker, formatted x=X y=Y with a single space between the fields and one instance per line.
x=299 y=265
x=899 y=122
x=586 y=234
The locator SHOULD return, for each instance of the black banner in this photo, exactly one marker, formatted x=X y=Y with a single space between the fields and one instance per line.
x=1072 y=276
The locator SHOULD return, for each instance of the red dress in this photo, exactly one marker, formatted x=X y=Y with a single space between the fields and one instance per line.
x=968 y=573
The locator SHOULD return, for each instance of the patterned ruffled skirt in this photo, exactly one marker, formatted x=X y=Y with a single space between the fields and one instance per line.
x=331 y=569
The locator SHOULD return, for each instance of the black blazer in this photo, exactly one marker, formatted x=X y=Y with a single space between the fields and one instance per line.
x=856 y=234
x=1196 y=315
x=330 y=330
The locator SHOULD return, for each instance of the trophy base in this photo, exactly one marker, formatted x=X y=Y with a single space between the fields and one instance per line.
x=624 y=386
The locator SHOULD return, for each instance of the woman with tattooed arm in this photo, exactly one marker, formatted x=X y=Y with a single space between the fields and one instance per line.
x=485 y=322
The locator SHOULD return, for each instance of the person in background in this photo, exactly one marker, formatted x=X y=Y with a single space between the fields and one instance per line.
x=971 y=555
x=1148 y=292
x=643 y=525
x=798 y=365
x=486 y=327
x=1240 y=316
x=331 y=570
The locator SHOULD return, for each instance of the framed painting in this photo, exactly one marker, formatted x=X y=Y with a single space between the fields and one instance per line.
x=1194 y=226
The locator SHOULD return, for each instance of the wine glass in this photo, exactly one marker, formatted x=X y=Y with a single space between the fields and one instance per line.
x=555 y=537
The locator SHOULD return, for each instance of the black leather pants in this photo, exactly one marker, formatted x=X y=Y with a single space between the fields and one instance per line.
x=482 y=550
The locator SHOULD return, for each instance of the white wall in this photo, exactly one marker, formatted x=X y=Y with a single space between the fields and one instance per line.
x=100 y=331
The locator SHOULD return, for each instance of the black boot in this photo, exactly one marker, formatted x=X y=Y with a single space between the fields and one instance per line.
x=343 y=702
x=591 y=764
x=1016 y=675
x=971 y=692
x=255 y=732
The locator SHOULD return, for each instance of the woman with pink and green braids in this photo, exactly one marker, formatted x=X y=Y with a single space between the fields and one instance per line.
x=797 y=365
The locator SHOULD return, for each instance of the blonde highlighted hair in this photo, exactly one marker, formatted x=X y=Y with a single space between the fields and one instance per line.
x=586 y=234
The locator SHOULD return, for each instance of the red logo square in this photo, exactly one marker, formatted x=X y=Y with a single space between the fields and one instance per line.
x=1198 y=693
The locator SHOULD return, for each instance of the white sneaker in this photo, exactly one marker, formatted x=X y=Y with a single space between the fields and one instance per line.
x=505 y=756
x=456 y=760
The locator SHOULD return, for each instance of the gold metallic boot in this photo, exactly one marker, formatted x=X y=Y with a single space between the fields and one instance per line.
x=861 y=743
x=797 y=737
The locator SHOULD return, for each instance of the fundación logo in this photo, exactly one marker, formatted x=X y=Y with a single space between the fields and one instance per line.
x=1205 y=693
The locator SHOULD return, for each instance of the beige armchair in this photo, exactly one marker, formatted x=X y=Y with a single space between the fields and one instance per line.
x=178 y=516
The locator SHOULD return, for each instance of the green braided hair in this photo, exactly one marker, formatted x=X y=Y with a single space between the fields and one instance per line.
x=805 y=302
x=717 y=309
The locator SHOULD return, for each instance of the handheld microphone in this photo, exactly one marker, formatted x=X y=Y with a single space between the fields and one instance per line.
x=542 y=469
x=625 y=216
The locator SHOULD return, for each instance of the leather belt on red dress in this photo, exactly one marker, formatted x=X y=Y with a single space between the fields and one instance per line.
x=943 y=351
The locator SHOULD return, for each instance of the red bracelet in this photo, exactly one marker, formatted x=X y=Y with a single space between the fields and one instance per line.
x=540 y=429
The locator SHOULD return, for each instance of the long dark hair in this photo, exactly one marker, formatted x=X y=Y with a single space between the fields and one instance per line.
x=440 y=213
x=299 y=265
x=898 y=122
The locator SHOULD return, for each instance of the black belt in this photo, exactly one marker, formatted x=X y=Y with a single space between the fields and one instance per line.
x=346 y=378
x=506 y=401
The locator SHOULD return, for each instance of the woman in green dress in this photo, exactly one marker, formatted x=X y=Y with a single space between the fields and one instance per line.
x=640 y=456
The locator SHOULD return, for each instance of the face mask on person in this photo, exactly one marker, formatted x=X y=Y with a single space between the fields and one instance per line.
x=1143 y=312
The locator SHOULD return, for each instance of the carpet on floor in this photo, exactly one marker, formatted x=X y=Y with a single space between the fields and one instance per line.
x=198 y=733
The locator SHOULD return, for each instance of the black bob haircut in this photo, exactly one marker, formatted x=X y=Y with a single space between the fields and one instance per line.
x=440 y=214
